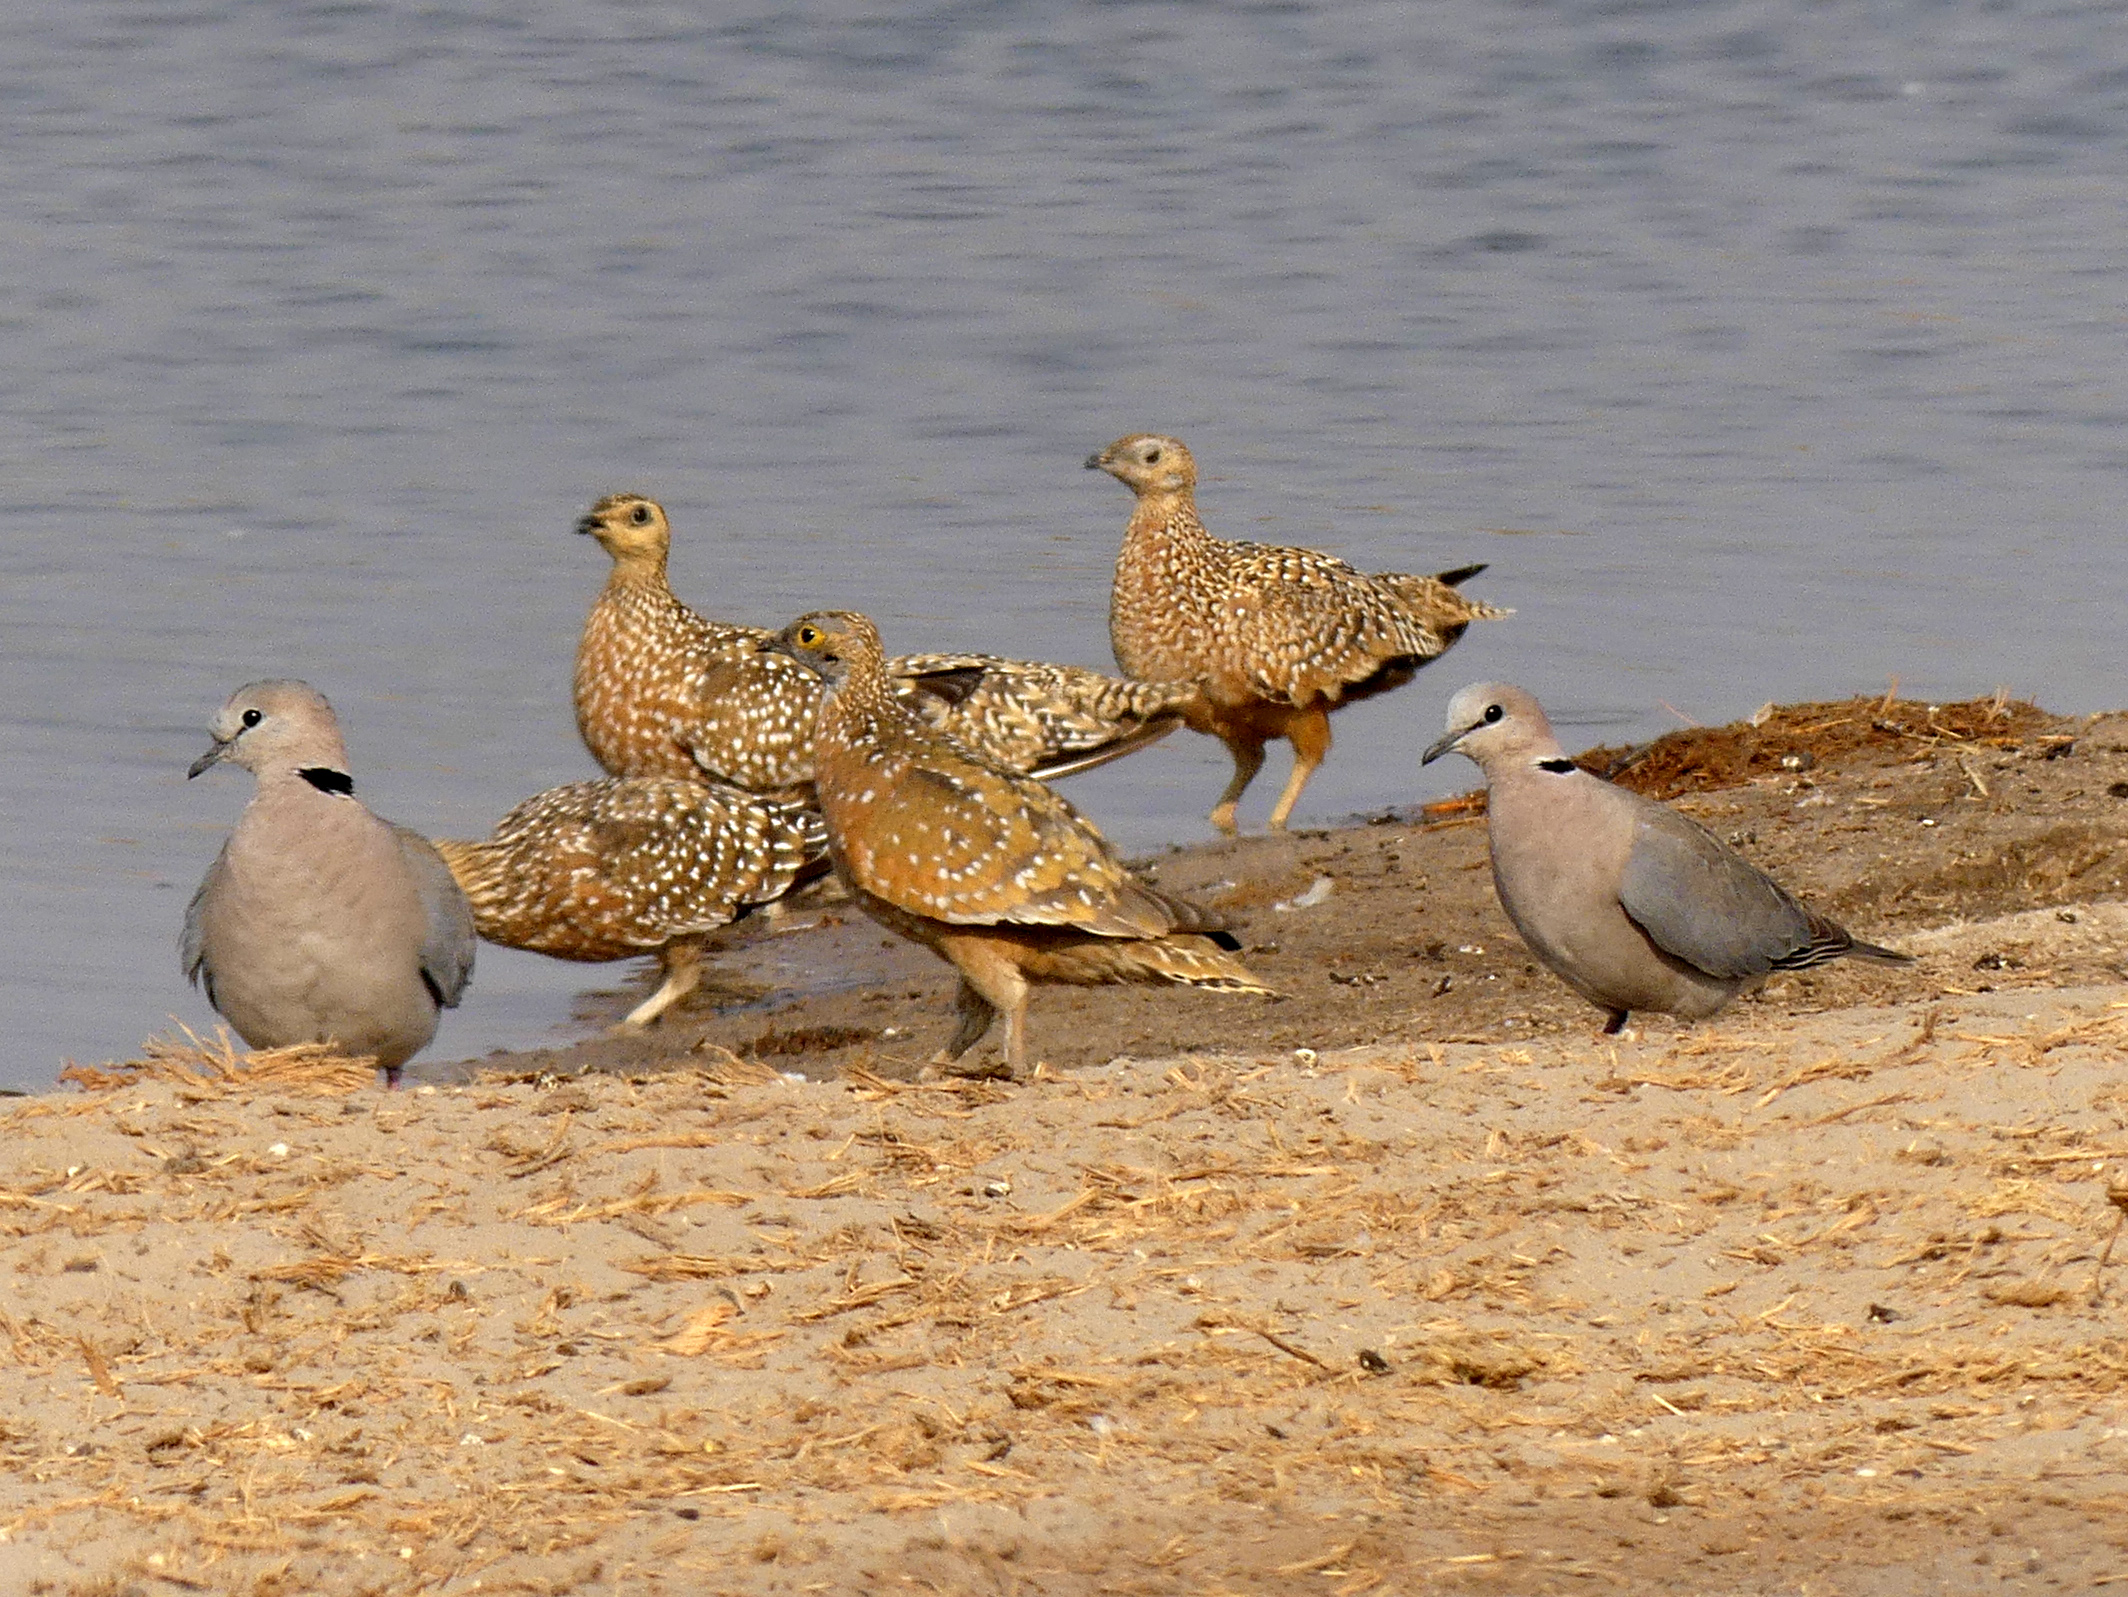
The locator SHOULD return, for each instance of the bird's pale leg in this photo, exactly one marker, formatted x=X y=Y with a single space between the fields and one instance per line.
x=682 y=964
x=1309 y=731
x=1016 y=1037
x=1248 y=751
x=989 y=976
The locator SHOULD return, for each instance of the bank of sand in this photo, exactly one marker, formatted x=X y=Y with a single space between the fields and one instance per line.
x=1408 y=1282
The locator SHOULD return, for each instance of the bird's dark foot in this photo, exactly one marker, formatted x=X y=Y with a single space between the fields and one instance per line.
x=1615 y=1023
x=967 y=1069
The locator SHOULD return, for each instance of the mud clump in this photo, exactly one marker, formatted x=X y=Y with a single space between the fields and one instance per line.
x=1800 y=737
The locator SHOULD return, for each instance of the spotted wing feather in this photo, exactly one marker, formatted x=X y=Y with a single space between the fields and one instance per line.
x=750 y=714
x=931 y=830
x=599 y=870
x=1317 y=623
x=1034 y=717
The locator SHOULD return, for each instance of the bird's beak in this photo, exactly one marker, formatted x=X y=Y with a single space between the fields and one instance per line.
x=779 y=644
x=213 y=756
x=1097 y=461
x=1445 y=744
x=588 y=525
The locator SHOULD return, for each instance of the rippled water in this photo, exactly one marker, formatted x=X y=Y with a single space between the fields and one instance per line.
x=1767 y=351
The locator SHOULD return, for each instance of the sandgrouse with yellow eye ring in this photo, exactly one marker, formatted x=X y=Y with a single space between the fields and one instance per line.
x=990 y=870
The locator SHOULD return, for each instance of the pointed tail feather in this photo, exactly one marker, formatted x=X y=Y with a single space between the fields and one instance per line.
x=1130 y=742
x=1435 y=603
x=1186 y=916
x=1858 y=949
x=1830 y=941
x=1196 y=962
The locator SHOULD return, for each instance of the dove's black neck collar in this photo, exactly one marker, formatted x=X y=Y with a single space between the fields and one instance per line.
x=1558 y=767
x=327 y=780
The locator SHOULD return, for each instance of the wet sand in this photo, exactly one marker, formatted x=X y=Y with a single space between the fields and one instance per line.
x=1407 y=1281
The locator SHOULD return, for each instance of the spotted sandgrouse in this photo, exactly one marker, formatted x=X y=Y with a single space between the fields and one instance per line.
x=661 y=691
x=615 y=868
x=989 y=869
x=319 y=922
x=1276 y=638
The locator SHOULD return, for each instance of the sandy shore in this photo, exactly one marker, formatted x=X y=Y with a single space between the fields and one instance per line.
x=1407 y=1282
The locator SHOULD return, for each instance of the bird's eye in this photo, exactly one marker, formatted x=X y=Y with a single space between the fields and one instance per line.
x=640 y=515
x=808 y=636
x=1493 y=712
x=1152 y=457
x=253 y=717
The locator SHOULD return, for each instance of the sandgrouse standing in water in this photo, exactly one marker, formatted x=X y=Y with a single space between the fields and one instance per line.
x=661 y=691
x=1275 y=638
x=989 y=869
x=611 y=869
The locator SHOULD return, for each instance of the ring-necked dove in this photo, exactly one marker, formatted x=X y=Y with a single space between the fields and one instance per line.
x=1628 y=902
x=320 y=922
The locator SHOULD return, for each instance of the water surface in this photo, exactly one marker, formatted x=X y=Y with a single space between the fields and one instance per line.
x=1766 y=351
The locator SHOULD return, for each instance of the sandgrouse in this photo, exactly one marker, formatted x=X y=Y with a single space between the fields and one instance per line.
x=989 y=869
x=661 y=691
x=1275 y=638
x=614 y=868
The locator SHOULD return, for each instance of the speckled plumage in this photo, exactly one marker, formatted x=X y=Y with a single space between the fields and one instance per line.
x=1034 y=718
x=660 y=691
x=320 y=921
x=611 y=869
x=989 y=869
x=1275 y=638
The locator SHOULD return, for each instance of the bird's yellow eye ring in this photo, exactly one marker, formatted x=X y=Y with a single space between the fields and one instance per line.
x=808 y=636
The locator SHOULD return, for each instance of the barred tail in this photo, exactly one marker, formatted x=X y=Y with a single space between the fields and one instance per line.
x=1857 y=949
x=481 y=871
x=1194 y=962
x=1434 y=602
x=1829 y=941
